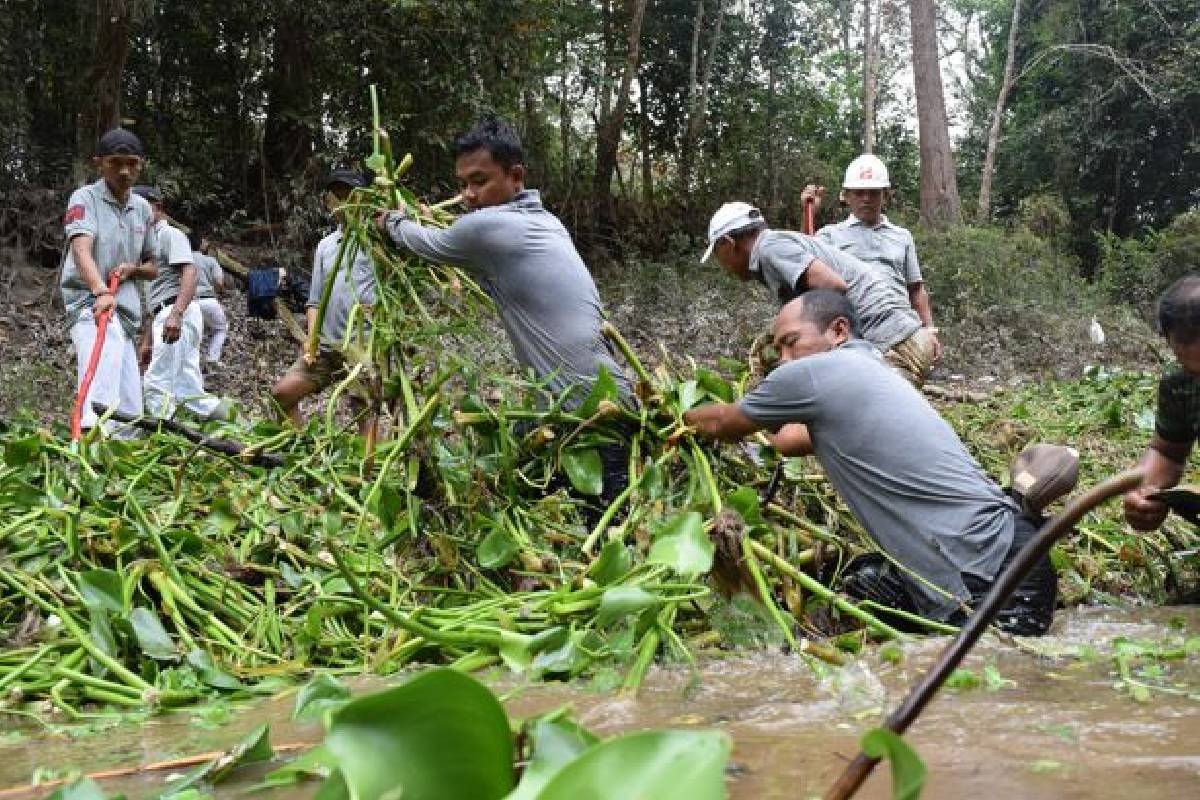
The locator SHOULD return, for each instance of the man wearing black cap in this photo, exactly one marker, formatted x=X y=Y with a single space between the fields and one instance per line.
x=109 y=230
x=173 y=338
x=354 y=284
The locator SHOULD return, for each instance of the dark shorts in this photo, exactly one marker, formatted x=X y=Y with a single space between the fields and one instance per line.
x=1028 y=612
x=327 y=370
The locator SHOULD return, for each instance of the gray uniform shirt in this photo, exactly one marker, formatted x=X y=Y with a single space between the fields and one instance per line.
x=173 y=254
x=355 y=285
x=885 y=316
x=525 y=260
x=898 y=465
x=886 y=247
x=122 y=233
x=208 y=275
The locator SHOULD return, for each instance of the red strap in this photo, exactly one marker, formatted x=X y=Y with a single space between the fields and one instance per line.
x=114 y=281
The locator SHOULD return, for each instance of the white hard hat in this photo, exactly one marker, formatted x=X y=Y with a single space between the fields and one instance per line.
x=866 y=172
x=729 y=218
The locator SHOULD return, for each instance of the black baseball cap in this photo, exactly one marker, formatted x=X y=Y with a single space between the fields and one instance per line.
x=119 y=141
x=349 y=177
x=151 y=193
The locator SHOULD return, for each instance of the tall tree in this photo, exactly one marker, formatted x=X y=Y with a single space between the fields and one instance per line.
x=698 y=94
x=984 y=213
x=101 y=108
x=608 y=135
x=288 y=135
x=940 y=206
x=870 y=58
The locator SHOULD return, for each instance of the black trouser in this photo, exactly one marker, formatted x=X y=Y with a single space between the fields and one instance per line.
x=1028 y=612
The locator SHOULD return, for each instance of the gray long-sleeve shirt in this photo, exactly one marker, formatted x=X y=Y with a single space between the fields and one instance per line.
x=525 y=260
x=899 y=466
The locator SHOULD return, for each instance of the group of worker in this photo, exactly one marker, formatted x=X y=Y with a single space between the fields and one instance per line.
x=855 y=335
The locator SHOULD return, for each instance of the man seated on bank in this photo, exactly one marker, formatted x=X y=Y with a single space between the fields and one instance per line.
x=791 y=263
x=1177 y=421
x=946 y=529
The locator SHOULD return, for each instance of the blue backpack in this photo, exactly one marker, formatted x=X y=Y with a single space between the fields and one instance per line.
x=262 y=287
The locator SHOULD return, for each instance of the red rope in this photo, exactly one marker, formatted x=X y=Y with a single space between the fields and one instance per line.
x=809 y=225
x=114 y=281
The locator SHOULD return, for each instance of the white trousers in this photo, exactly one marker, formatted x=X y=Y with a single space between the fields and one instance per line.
x=215 y=324
x=173 y=377
x=117 y=382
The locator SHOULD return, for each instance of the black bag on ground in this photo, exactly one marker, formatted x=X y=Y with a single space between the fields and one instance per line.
x=296 y=292
x=262 y=285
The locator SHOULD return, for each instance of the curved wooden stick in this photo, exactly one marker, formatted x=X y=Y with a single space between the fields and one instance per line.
x=1006 y=583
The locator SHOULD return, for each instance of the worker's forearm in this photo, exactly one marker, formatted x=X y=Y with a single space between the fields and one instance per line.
x=1164 y=463
x=89 y=272
x=918 y=296
x=145 y=271
x=187 y=288
x=724 y=421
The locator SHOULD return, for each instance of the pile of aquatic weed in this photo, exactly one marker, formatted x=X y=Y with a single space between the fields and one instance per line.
x=1108 y=416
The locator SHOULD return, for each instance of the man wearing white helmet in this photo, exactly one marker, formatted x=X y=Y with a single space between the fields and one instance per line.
x=869 y=236
x=790 y=263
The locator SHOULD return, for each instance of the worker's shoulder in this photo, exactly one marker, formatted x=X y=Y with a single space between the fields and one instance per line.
x=897 y=231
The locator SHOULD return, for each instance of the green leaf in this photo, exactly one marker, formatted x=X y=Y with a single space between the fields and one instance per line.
x=314 y=763
x=102 y=589
x=612 y=564
x=714 y=384
x=605 y=388
x=664 y=765
x=253 y=748
x=745 y=501
x=585 y=470
x=496 y=549
x=19 y=452
x=377 y=163
x=210 y=673
x=621 y=601
x=82 y=789
x=682 y=545
x=962 y=678
x=152 y=636
x=442 y=735
x=389 y=507
x=317 y=696
x=556 y=743
x=908 y=771
x=690 y=393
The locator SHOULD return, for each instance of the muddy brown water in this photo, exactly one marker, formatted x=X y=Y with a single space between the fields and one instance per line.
x=1060 y=729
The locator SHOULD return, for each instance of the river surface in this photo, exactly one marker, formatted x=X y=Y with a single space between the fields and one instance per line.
x=1052 y=724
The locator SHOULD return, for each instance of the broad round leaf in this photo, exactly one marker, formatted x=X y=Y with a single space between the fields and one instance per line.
x=585 y=470
x=441 y=736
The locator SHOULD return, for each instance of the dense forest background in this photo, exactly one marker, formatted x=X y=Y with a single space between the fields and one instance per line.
x=1077 y=120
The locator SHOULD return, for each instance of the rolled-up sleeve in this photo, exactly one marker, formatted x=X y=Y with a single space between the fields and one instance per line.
x=912 y=267
x=81 y=218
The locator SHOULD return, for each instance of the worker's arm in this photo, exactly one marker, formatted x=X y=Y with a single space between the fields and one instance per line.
x=918 y=297
x=792 y=440
x=724 y=421
x=89 y=272
x=145 y=271
x=173 y=325
x=1163 y=464
x=820 y=275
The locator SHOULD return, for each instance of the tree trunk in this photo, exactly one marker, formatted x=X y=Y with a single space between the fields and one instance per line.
x=564 y=115
x=608 y=137
x=984 y=213
x=287 y=134
x=101 y=110
x=685 y=155
x=647 y=156
x=940 y=206
x=699 y=108
x=870 y=55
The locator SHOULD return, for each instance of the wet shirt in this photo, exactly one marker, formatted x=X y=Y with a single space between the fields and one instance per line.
x=1178 y=416
x=354 y=284
x=525 y=260
x=208 y=275
x=886 y=247
x=172 y=255
x=122 y=233
x=897 y=464
x=885 y=316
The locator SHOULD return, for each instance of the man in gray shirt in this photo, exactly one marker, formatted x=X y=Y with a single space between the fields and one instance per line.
x=109 y=231
x=210 y=282
x=868 y=235
x=354 y=285
x=524 y=259
x=790 y=263
x=173 y=376
x=945 y=526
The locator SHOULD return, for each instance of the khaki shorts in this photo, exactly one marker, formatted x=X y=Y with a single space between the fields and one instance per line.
x=327 y=370
x=913 y=357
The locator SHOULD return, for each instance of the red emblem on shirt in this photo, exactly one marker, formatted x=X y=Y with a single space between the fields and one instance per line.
x=74 y=214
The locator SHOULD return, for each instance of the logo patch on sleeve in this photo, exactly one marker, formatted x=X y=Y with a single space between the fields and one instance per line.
x=74 y=214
